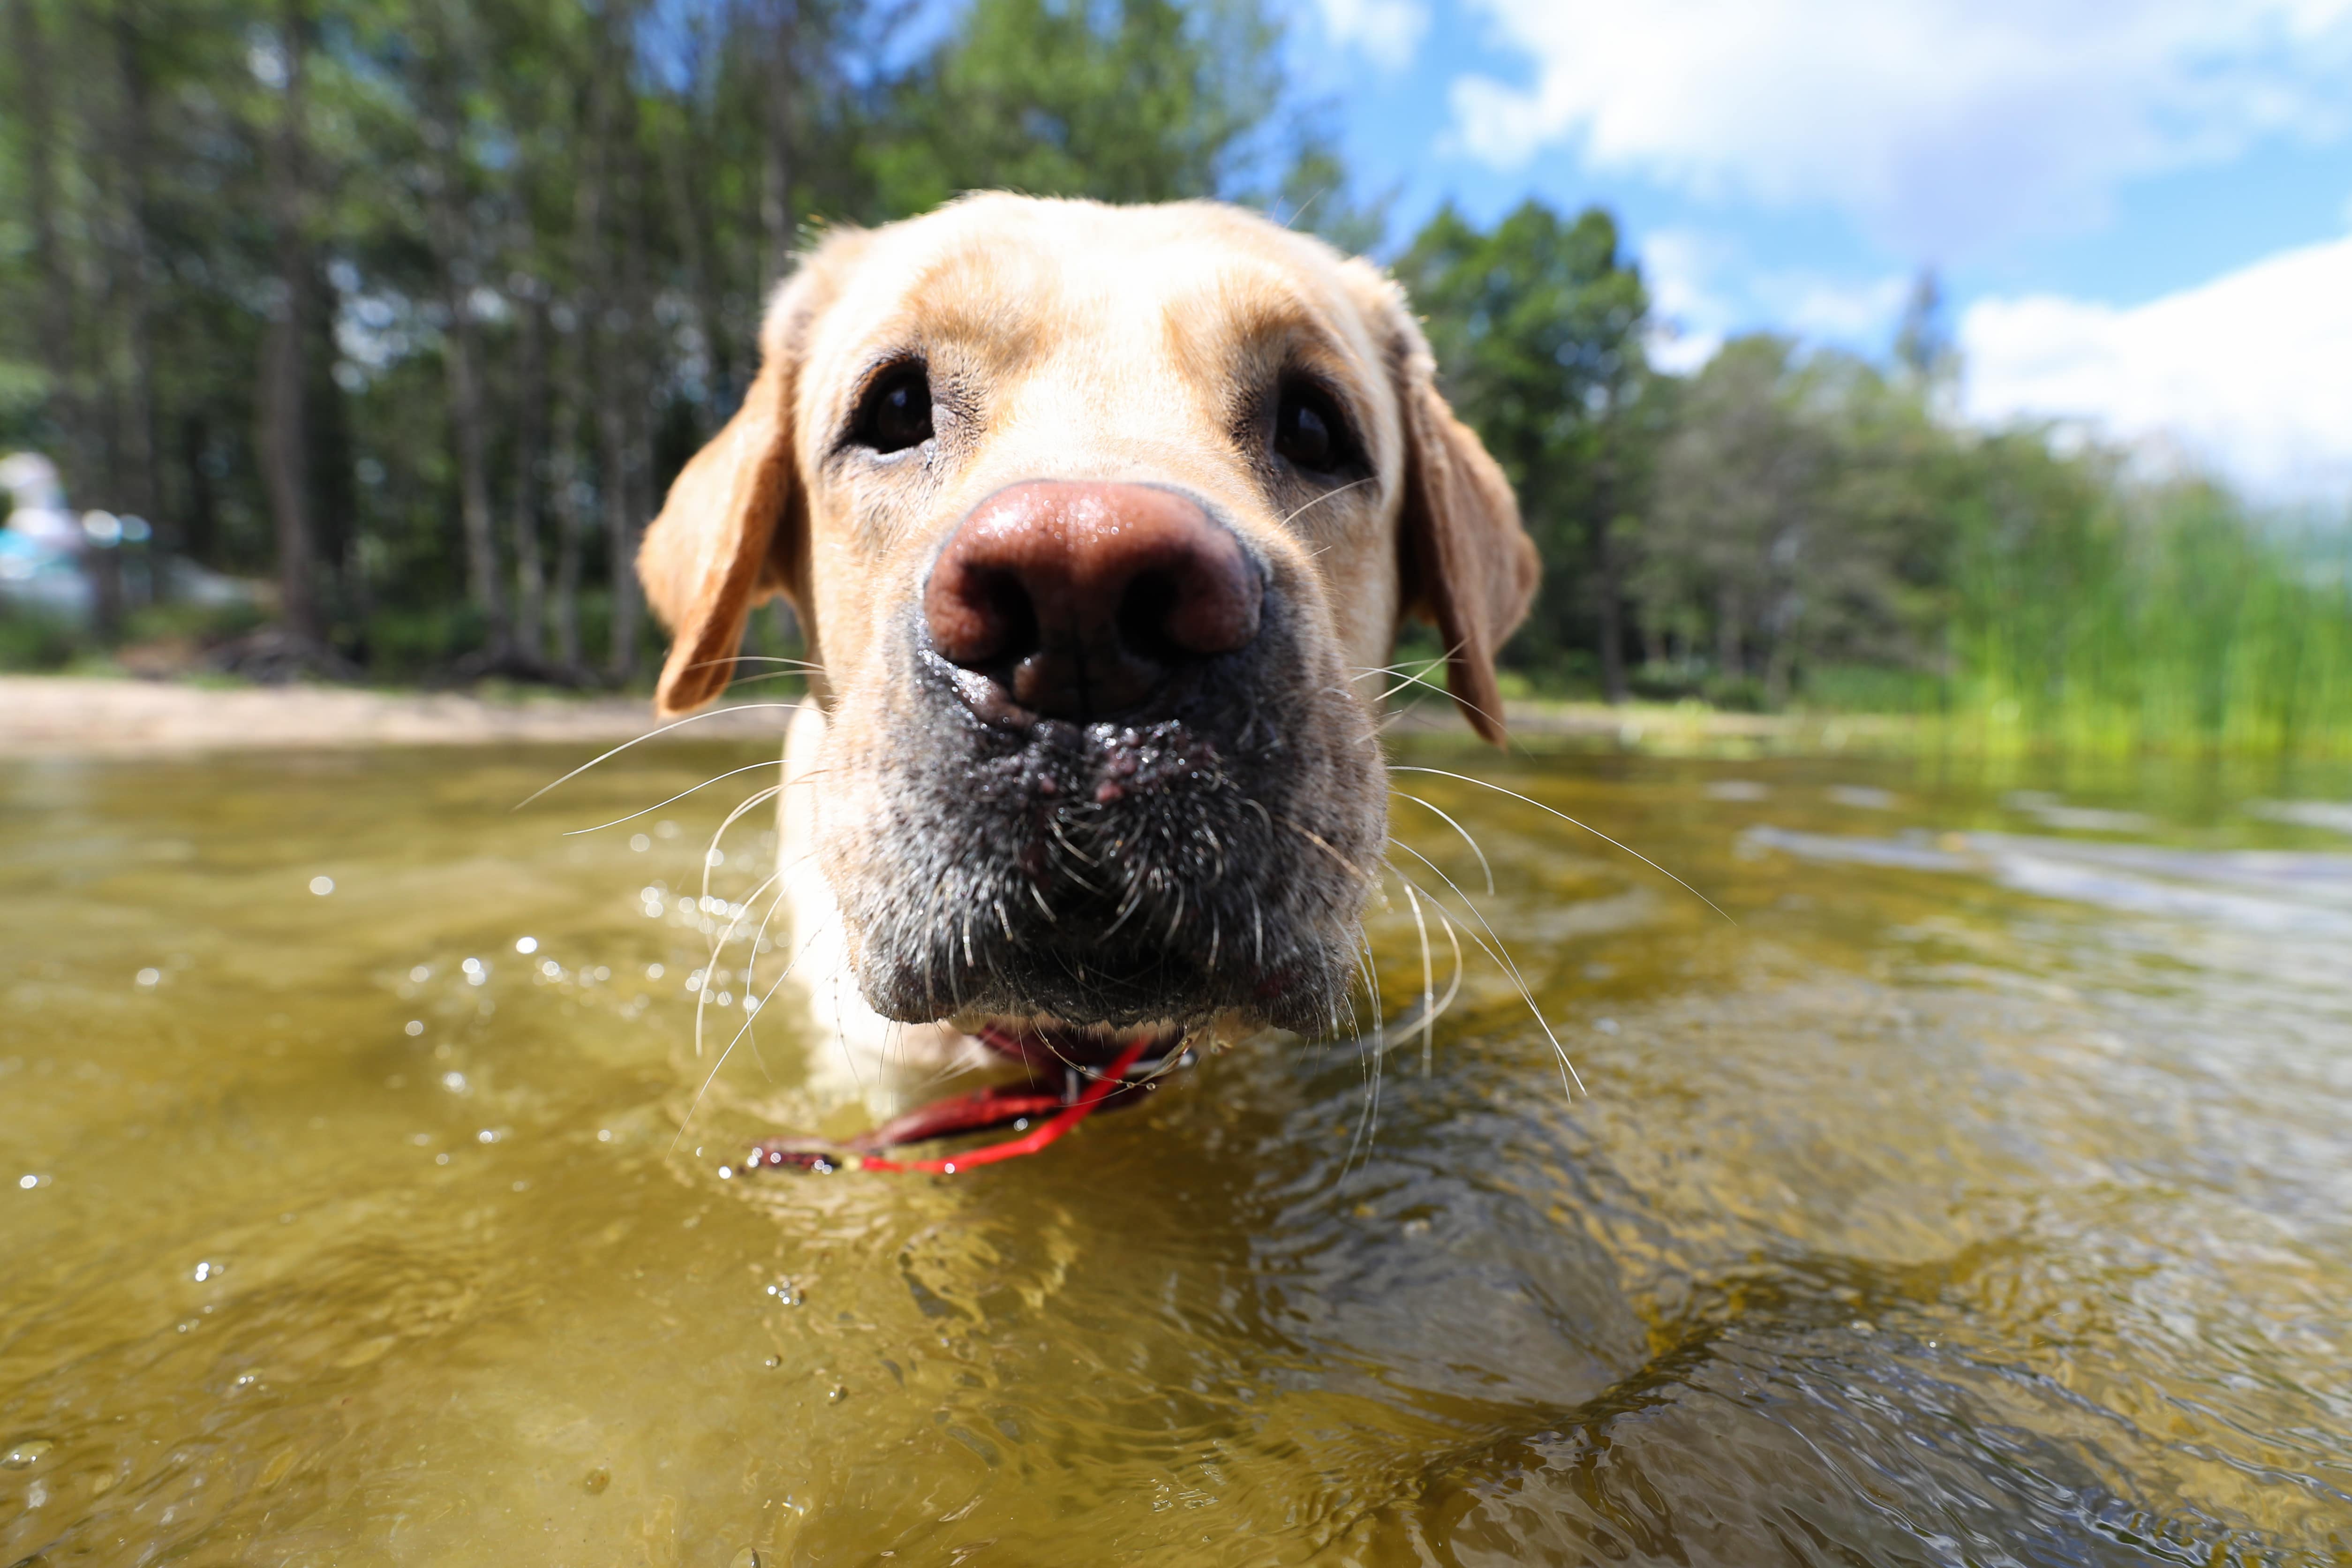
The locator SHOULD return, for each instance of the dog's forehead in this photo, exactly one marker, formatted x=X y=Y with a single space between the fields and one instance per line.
x=1015 y=279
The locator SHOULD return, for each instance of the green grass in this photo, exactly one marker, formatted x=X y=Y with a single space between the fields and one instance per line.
x=2175 y=624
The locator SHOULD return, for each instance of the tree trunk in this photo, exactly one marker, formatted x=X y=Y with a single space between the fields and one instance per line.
x=1608 y=576
x=570 y=530
x=200 y=528
x=58 y=307
x=142 y=491
x=612 y=321
x=776 y=221
x=1729 y=663
x=461 y=363
x=691 y=217
x=530 y=442
x=284 y=438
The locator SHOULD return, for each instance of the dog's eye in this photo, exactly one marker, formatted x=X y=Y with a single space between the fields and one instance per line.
x=1308 y=429
x=897 y=412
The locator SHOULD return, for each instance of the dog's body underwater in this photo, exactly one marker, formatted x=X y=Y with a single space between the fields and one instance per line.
x=1101 y=523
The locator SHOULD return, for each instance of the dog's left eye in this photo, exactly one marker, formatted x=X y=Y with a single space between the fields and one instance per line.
x=897 y=412
x=1308 y=430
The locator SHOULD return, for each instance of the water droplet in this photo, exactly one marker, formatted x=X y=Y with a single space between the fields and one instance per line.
x=150 y=977
x=28 y=1181
x=526 y=944
x=27 y=1454
x=596 y=1481
x=640 y=843
x=414 y=1027
x=205 y=1270
x=421 y=974
x=455 y=1082
x=322 y=886
x=654 y=972
x=836 y=1393
x=746 y=1558
x=772 y=1363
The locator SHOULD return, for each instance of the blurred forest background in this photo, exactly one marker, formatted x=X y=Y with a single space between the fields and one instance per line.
x=366 y=334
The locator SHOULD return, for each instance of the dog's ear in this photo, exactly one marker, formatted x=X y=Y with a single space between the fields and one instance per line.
x=1467 y=565
x=729 y=535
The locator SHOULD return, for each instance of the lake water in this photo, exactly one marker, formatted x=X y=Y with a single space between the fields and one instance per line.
x=1983 y=1196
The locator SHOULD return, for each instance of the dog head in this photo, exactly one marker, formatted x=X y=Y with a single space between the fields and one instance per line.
x=1100 y=524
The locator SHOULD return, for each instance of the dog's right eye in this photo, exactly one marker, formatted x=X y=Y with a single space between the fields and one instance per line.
x=897 y=412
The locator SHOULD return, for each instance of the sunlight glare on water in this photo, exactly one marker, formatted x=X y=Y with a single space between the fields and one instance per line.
x=1982 y=1196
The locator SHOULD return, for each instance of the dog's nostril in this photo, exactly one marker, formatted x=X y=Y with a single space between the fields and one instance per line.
x=1082 y=600
x=1145 y=612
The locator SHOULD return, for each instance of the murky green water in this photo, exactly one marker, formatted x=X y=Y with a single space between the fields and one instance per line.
x=1985 y=1196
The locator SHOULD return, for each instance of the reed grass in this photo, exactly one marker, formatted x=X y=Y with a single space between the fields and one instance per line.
x=2091 y=618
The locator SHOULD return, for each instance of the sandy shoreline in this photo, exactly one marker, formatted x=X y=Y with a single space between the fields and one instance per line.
x=67 y=716
x=74 y=716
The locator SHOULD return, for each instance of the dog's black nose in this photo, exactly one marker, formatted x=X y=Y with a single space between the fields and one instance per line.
x=1081 y=601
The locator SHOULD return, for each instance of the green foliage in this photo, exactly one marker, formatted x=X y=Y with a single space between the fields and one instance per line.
x=1537 y=326
x=1808 y=528
x=35 y=642
x=589 y=203
x=2090 y=616
x=1142 y=100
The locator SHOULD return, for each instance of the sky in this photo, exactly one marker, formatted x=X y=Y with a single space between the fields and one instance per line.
x=2140 y=211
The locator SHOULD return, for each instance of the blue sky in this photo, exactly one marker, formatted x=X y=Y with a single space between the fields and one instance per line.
x=2141 y=210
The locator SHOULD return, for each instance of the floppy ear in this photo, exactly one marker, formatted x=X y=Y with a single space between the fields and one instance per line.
x=730 y=532
x=1468 y=565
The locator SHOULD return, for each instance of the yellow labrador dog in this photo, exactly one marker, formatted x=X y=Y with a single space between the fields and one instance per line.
x=1099 y=521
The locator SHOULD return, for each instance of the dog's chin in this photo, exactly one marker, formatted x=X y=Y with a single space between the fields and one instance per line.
x=1105 y=991
x=1043 y=1043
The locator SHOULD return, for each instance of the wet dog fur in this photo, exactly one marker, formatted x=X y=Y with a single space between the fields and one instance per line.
x=1202 y=863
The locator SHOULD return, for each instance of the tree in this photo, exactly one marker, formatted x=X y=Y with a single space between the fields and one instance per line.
x=370 y=295
x=1538 y=330
x=1142 y=100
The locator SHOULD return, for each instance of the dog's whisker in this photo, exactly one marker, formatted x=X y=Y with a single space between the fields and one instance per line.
x=732 y=818
x=767 y=766
x=1428 y=983
x=1367 y=1125
x=1328 y=495
x=1573 y=822
x=641 y=739
x=1457 y=827
x=720 y=941
x=1501 y=953
x=688 y=1120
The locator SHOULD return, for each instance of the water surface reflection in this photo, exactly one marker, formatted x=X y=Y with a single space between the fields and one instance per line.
x=1982 y=1196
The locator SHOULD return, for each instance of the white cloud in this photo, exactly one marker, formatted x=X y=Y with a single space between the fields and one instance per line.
x=1941 y=123
x=1855 y=315
x=1386 y=31
x=1702 y=290
x=2250 y=375
x=1689 y=317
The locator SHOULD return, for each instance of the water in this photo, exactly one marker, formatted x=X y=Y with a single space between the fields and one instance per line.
x=1984 y=1195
